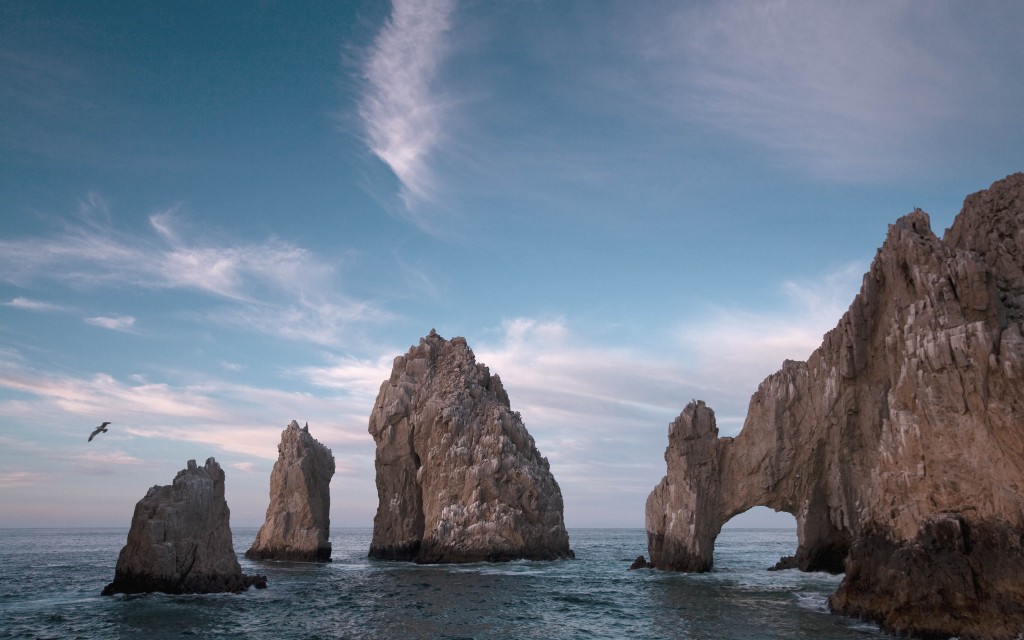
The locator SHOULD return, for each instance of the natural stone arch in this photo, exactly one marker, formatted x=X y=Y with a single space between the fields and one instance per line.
x=710 y=480
x=898 y=444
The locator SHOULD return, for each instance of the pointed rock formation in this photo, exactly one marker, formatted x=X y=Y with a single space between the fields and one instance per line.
x=180 y=539
x=458 y=477
x=898 y=445
x=298 y=522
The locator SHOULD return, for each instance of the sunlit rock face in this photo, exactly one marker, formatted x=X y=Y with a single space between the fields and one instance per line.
x=898 y=445
x=180 y=539
x=298 y=522
x=458 y=477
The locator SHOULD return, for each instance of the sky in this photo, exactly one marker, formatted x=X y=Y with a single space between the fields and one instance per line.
x=216 y=218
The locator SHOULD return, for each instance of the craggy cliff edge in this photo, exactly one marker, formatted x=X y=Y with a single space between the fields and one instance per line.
x=458 y=477
x=899 y=444
x=180 y=539
x=298 y=522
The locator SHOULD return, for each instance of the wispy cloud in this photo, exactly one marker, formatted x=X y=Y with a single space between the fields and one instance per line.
x=733 y=349
x=555 y=373
x=98 y=463
x=350 y=374
x=402 y=109
x=119 y=323
x=230 y=417
x=33 y=305
x=97 y=395
x=846 y=90
x=10 y=479
x=273 y=287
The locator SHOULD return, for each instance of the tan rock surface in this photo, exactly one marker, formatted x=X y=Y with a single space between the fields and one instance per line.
x=898 y=444
x=298 y=522
x=180 y=539
x=459 y=479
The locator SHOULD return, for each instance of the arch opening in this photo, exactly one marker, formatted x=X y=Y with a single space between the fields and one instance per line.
x=761 y=536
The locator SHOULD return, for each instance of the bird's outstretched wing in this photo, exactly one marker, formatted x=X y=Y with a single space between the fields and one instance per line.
x=98 y=430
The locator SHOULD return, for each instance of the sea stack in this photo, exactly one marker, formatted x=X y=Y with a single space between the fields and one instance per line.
x=459 y=479
x=180 y=539
x=898 y=445
x=298 y=522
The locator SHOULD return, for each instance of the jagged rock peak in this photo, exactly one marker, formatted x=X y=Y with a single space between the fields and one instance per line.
x=180 y=539
x=298 y=522
x=459 y=479
x=898 y=445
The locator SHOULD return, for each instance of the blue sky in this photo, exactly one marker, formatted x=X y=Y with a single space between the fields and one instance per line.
x=219 y=217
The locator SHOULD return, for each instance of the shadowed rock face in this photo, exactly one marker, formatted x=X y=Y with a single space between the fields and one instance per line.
x=180 y=539
x=298 y=522
x=458 y=477
x=898 y=445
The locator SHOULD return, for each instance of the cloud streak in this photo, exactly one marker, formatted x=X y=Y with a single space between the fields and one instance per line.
x=120 y=323
x=273 y=287
x=402 y=110
x=28 y=304
x=732 y=350
x=231 y=417
x=846 y=90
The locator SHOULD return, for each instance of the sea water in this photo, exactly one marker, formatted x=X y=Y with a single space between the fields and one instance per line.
x=50 y=583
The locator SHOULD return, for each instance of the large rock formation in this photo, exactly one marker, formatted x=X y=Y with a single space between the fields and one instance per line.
x=298 y=522
x=458 y=477
x=899 y=444
x=180 y=539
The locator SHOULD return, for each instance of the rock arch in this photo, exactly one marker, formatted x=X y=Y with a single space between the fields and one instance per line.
x=710 y=480
x=898 y=444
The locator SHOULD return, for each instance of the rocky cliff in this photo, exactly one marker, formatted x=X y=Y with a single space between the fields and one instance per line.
x=898 y=445
x=458 y=477
x=180 y=539
x=298 y=522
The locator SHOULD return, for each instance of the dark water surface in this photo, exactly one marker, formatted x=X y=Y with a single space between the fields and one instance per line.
x=50 y=580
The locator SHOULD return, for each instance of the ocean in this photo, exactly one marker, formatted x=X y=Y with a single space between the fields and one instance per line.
x=50 y=582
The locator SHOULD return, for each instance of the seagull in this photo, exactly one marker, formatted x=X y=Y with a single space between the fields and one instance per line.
x=98 y=430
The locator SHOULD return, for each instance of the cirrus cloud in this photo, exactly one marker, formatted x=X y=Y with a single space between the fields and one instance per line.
x=402 y=112
x=274 y=287
x=119 y=323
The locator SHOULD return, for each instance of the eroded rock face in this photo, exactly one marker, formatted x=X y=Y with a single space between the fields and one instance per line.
x=298 y=522
x=180 y=539
x=899 y=444
x=458 y=477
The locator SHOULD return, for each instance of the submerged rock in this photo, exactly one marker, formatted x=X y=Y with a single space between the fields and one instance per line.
x=180 y=539
x=298 y=522
x=459 y=479
x=898 y=445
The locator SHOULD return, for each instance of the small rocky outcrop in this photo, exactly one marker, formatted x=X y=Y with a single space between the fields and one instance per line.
x=459 y=479
x=640 y=563
x=898 y=445
x=180 y=539
x=298 y=522
x=785 y=563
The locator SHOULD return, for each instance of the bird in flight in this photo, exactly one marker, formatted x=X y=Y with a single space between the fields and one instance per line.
x=98 y=430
